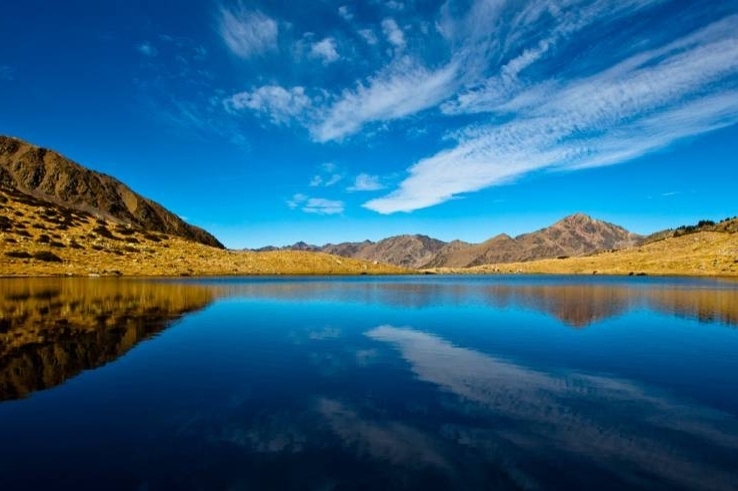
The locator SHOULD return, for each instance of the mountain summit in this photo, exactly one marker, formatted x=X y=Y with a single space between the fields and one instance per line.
x=47 y=175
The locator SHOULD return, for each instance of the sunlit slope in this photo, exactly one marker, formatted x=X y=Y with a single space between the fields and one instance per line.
x=38 y=237
x=702 y=253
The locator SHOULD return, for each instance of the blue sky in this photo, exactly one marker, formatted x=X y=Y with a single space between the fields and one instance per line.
x=275 y=121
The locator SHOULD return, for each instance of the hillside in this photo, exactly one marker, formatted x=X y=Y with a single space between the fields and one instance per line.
x=47 y=175
x=39 y=237
x=700 y=253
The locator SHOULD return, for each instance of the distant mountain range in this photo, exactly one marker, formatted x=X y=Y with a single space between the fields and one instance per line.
x=47 y=175
x=575 y=235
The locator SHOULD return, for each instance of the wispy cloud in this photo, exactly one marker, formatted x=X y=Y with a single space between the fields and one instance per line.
x=643 y=103
x=278 y=104
x=147 y=49
x=319 y=206
x=393 y=33
x=323 y=206
x=247 y=33
x=403 y=88
x=366 y=182
x=325 y=50
x=518 y=88
x=296 y=200
x=369 y=36
x=327 y=177
x=345 y=13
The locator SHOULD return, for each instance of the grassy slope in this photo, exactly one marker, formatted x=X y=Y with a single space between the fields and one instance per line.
x=699 y=254
x=90 y=245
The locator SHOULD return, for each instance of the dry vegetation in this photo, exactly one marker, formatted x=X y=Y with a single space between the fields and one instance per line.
x=698 y=254
x=38 y=238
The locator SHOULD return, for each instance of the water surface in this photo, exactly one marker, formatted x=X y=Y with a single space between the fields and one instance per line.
x=369 y=383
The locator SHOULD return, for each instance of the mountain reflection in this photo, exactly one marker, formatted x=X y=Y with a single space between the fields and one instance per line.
x=52 y=329
x=577 y=304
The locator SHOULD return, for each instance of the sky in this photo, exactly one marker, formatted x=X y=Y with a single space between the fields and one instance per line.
x=270 y=122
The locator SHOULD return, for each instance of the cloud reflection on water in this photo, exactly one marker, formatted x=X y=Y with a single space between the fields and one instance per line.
x=606 y=422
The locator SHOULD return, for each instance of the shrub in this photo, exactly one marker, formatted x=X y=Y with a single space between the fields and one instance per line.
x=47 y=256
x=18 y=254
x=123 y=230
x=103 y=232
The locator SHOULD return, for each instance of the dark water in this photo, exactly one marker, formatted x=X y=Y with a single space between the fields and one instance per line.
x=390 y=383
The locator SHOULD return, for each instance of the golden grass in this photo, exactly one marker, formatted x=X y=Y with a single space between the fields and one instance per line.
x=89 y=245
x=699 y=254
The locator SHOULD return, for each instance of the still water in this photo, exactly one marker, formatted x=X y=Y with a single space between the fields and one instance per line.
x=369 y=383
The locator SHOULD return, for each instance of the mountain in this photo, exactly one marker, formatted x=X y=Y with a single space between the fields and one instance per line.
x=47 y=175
x=575 y=235
x=407 y=251
x=410 y=251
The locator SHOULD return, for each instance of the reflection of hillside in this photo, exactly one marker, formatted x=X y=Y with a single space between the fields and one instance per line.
x=708 y=305
x=52 y=329
x=575 y=304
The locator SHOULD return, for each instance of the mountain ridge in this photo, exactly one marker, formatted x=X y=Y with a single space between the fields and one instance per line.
x=574 y=235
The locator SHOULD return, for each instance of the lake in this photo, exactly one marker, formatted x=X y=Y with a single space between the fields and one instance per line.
x=500 y=382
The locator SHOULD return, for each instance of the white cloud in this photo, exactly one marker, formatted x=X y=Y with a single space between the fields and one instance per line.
x=334 y=179
x=403 y=88
x=296 y=200
x=328 y=181
x=643 y=103
x=368 y=36
x=345 y=13
x=246 y=32
x=323 y=206
x=280 y=105
x=147 y=49
x=325 y=50
x=329 y=176
x=393 y=33
x=394 y=5
x=365 y=182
